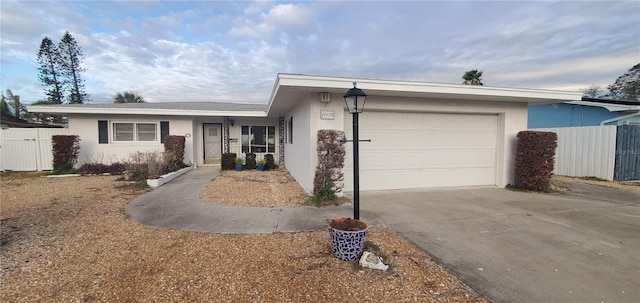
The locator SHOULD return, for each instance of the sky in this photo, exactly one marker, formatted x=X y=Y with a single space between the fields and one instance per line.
x=223 y=51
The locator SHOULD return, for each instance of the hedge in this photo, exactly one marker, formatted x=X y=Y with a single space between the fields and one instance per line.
x=535 y=159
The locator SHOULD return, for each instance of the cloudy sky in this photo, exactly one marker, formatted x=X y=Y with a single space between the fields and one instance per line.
x=232 y=51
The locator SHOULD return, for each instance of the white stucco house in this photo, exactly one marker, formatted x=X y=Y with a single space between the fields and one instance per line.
x=422 y=134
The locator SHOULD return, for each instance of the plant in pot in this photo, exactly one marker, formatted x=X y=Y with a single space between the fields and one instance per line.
x=347 y=238
x=239 y=162
x=260 y=164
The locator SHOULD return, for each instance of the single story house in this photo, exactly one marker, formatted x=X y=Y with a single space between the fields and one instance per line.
x=585 y=112
x=422 y=134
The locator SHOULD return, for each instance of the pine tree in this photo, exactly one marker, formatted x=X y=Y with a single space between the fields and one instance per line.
x=71 y=58
x=50 y=69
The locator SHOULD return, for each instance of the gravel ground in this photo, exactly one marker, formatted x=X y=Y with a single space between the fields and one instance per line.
x=69 y=240
x=633 y=187
x=275 y=188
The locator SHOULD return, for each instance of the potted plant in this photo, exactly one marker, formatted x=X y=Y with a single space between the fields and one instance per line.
x=260 y=164
x=347 y=238
x=239 y=161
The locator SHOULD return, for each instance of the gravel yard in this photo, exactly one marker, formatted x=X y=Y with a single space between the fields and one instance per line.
x=69 y=240
x=275 y=188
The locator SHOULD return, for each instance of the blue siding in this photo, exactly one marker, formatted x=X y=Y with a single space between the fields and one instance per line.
x=568 y=115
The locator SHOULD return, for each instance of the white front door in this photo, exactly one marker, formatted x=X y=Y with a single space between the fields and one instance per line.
x=212 y=143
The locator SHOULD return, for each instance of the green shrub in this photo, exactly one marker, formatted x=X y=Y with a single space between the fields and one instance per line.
x=99 y=168
x=250 y=161
x=228 y=161
x=535 y=159
x=65 y=153
x=270 y=164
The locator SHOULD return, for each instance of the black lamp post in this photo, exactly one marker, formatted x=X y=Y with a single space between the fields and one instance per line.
x=355 y=99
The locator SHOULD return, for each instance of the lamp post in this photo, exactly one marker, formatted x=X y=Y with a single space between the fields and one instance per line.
x=355 y=99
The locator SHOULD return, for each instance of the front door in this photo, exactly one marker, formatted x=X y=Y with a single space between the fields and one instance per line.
x=212 y=143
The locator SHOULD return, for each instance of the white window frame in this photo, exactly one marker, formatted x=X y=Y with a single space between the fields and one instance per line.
x=136 y=134
x=250 y=146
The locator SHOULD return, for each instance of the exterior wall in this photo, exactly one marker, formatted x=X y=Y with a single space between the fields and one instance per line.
x=86 y=126
x=299 y=156
x=568 y=115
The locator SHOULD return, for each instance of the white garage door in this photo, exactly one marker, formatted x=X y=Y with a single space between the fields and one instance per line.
x=420 y=150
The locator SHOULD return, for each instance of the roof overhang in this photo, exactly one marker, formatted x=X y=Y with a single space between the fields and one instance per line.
x=612 y=107
x=69 y=109
x=291 y=88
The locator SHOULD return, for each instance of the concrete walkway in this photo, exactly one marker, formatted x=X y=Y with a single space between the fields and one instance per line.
x=176 y=205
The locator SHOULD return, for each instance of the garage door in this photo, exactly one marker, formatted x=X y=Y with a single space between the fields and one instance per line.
x=420 y=150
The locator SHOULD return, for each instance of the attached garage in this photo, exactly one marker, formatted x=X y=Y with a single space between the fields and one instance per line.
x=421 y=150
x=423 y=135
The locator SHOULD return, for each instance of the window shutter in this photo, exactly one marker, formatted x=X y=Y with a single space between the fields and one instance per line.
x=103 y=132
x=164 y=130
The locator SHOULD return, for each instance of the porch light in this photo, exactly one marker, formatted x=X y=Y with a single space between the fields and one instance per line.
x=355 y=99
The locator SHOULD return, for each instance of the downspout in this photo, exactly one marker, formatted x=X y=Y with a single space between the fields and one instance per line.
x=637 y=113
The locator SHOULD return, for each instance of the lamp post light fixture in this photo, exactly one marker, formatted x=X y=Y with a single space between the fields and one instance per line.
x=355 y=99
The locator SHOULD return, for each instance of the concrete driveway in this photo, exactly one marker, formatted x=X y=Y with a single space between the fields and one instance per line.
x=580 y=246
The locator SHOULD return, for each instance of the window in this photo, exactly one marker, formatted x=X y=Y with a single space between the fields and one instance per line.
x=258 y=139
x=135 y=132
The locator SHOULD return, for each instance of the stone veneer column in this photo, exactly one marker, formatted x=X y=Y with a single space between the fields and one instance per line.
x=225 y=135
x=282 y=138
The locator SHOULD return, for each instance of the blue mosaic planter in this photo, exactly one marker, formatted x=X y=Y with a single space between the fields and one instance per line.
x=347 y=245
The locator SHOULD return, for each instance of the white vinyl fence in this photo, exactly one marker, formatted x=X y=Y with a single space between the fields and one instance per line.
x=27 y=149
x=588 y=151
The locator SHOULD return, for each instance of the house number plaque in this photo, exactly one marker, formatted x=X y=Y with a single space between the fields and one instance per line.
x=327 y=114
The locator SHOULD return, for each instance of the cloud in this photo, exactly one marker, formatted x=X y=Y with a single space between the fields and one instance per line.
x=232 y=51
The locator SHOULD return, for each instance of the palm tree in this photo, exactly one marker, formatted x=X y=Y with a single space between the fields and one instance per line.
x=472 y=77
x=128 y=97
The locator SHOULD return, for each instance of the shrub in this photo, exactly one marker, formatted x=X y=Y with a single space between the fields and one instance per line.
x=250 y=161
x=65 y=153
x=269 y=164
x=142 y=165
x=174 y=151
x=228 y=161
x=535 y=159
x=331 y=152
x=100 y=168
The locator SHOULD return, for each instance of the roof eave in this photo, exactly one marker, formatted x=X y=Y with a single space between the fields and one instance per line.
x=420 y=90
x=612 y=107
x=140 y=111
